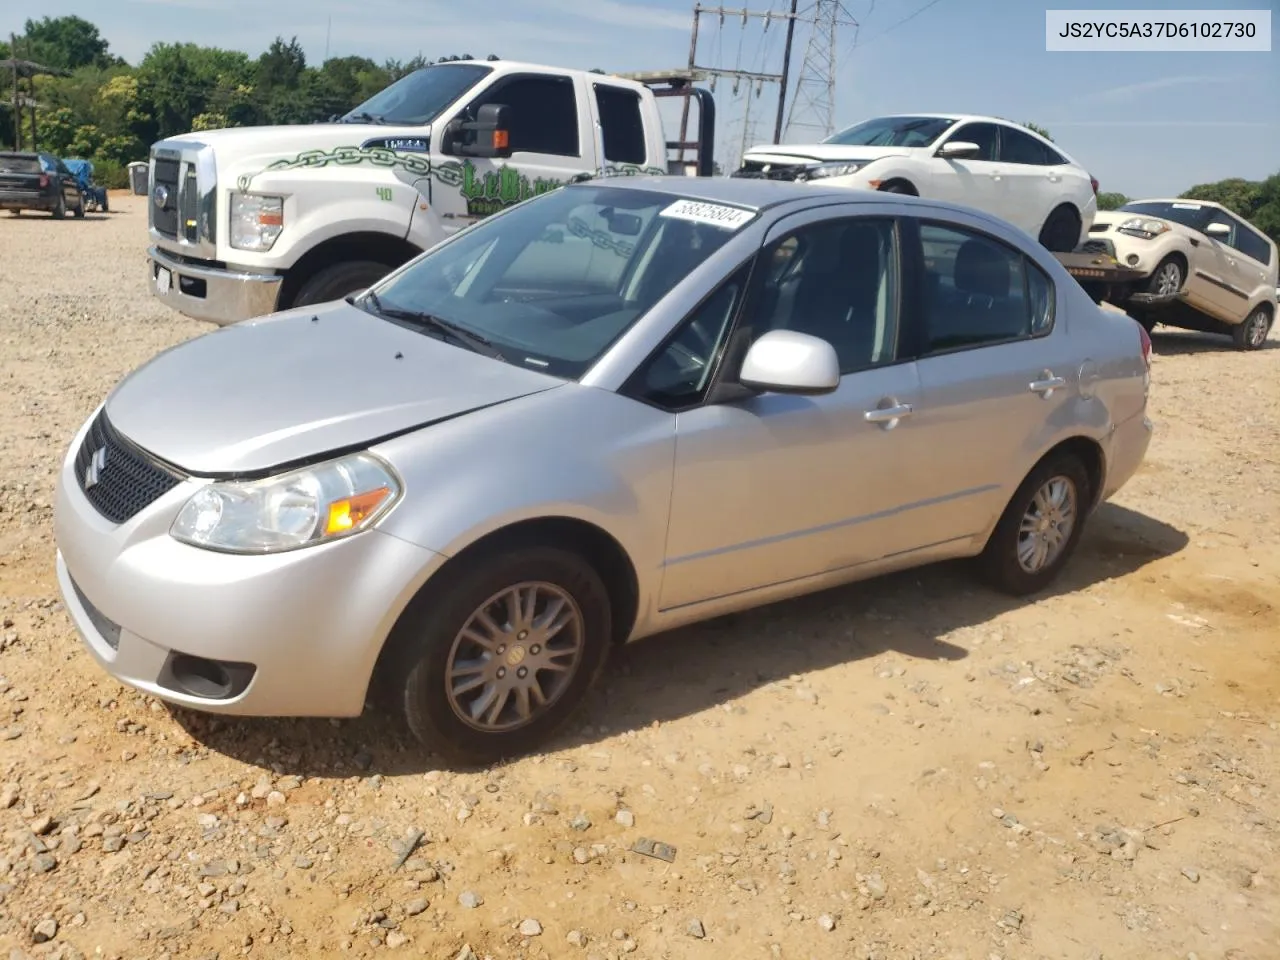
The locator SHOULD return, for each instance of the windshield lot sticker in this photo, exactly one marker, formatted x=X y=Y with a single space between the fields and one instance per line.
x=1186 y=206
x=714 y=214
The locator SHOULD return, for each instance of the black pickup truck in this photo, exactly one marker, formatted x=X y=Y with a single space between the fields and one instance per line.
x=38 y=181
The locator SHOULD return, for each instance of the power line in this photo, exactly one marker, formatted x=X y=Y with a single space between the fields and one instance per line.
x=907 y=19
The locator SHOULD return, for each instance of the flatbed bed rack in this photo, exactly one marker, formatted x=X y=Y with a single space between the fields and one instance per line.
x=681 y=83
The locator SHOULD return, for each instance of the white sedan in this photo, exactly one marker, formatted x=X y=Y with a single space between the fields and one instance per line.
x=982 y=162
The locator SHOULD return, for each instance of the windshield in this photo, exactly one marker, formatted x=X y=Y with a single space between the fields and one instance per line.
x=892 y=132
x=552 y=283
x=421 y=96
x=1188 y=213
x=17 y=163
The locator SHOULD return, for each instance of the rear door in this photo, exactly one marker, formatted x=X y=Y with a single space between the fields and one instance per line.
x=1037 y=179
x=997 y=372
x=1251 y=261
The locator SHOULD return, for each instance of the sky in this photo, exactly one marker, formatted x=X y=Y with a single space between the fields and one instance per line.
x=1144 y=124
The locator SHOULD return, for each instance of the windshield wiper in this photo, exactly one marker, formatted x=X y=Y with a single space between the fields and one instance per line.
x=472 y=341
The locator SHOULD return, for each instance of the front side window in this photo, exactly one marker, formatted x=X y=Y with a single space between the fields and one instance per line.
x=985 y=135
x=979 y=291
x=544 y=114
x=892 y=132
x=421 y=96
x=552 y=283
x=836 y=280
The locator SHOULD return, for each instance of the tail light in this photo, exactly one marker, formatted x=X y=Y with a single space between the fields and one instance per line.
x=44 y=180
x=1145 y=339
x=1093 y=182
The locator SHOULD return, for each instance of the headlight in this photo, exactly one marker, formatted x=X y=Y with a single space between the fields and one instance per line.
x=255 y=221
x=296 y=509
x=839 y=168
x=1143 y=227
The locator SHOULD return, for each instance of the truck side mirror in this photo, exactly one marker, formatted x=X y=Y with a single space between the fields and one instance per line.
x=486 y=136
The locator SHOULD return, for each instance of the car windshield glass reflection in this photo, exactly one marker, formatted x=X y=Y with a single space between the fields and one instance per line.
x=892 y=132
x=551 y=284
x=1188 y=214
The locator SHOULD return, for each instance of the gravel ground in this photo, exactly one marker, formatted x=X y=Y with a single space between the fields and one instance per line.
x=907 y=768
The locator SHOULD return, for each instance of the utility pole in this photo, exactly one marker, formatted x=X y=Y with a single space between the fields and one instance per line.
x=786 y=69
x=814 y=104
x=17 y=108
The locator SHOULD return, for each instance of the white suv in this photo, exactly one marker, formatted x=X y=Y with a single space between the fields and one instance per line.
x=983 y=162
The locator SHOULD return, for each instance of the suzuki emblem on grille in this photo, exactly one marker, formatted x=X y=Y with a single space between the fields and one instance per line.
x=93 y=472
x=161 y=196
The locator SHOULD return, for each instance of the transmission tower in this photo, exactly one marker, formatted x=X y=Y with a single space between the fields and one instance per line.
x=814 y=105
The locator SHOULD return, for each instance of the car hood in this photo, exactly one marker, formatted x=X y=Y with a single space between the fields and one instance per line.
x=296 y=385
x=790 y=153
x=1113 y=218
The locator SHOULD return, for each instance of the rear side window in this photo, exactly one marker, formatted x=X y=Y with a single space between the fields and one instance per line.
x=544 y=114
x=1251 y=245
x=622 y=124
x=979 y=291
x=1017 y=147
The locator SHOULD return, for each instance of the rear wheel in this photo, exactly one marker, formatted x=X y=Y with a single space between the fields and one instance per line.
x=500 y=653
x=1061 y=232
x=106 y=207
x=339 y=280
x=897 y=186
x=1252 y=334
x=60 y=210
x=1040 y=527
x=79 y=210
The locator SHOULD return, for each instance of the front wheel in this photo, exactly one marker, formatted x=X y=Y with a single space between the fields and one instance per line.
x=1040 y=527
x=1252 y=334
x=1167 y=278
x=500 y=654
x=340 y=280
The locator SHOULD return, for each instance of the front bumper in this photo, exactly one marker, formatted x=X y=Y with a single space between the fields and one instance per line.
x=292 y=634
x=211 y=293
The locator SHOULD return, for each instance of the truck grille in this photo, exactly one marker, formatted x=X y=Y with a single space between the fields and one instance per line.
x=125 y=478
x=165 y=216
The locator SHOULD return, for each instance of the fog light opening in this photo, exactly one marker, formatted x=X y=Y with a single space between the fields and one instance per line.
x=1132 y=259
x=206 y=679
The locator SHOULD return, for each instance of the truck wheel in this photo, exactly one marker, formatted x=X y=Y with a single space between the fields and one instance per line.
x=1252 y=334
x=60 y=210
x=1061 y=232
x=502 y=654
x=1167 y=278
x=338 y=280
x=1040 y=527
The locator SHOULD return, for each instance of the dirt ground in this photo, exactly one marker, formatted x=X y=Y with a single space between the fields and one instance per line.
x=908 y=768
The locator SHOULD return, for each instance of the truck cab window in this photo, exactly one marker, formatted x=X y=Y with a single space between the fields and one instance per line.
x=544 y=114
x=622 y=124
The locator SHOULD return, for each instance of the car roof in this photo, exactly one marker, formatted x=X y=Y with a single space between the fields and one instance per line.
x=1201 y=203
x=754 y=194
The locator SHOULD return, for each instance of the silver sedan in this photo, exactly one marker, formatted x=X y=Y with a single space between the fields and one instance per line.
x=611 y=410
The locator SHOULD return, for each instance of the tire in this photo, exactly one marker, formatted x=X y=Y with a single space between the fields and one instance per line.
x=79 y=210
x=60 y=210
x=338 y=280
x=106 y=207
x=1168 y=277
x=1061 y=232
x=1252 y=334
x=897 y=186
x=423 y=644
x=1000 y=563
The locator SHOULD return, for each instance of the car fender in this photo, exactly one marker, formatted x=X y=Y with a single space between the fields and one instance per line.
x=572 y=452
x=880 y=171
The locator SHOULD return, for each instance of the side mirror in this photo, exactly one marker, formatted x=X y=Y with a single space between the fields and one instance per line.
x=1218 y=230
x=488 y=135
x=784 y=361
x=958 y=150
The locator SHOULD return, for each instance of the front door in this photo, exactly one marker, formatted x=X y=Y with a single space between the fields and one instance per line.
x=977 y=181
x=776 y=488
x=995 y=371
x=551 y=142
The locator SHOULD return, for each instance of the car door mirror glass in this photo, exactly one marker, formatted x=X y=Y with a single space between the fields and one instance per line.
x=786 y=361
x=958 y=149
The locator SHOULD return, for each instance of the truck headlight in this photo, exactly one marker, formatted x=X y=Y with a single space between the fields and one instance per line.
x=256 y=221
x=297 y=509
x=838 y=168
x=1143 y=227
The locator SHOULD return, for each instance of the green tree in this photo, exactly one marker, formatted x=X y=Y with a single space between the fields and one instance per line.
x=65 y=42
x=1111 y=201
x=1257 y=201
x=1036 y=128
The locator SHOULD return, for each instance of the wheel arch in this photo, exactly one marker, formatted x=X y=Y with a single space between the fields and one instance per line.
x=1090 y=454
x=364 y=245
x=898 y=180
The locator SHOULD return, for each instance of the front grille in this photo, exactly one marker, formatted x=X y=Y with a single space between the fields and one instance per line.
x=125 y=478
x=756 y=170
x=1099 y=246
x=108 y=629
x=165 y=217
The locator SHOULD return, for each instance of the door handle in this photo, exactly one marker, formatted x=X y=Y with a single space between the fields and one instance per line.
x=1047 y=384
x=889 y=416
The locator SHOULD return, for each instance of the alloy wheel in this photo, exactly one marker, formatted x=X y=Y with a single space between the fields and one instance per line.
x=1047 y=524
